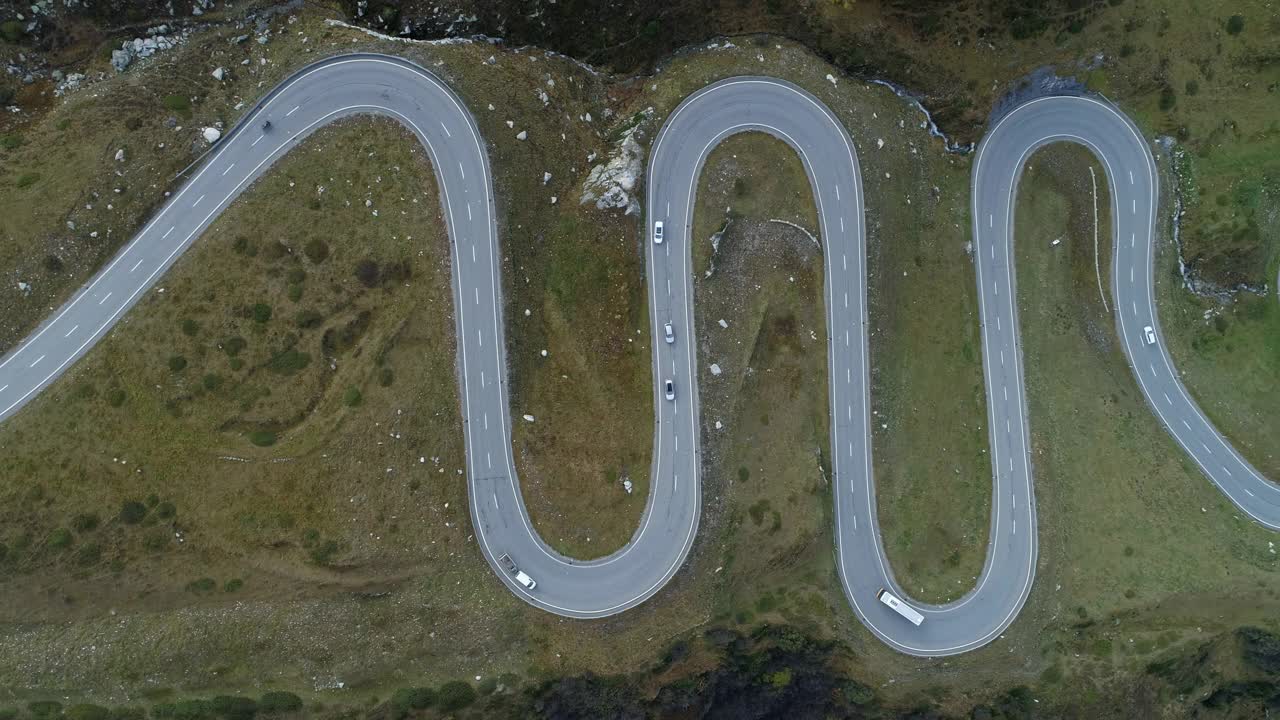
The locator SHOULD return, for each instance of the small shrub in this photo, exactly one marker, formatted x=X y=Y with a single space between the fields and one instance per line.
x=41 y=709
x=278 y=701
x=324 y=552
x=262 y=438
x=85 y=522
x=211 y=382
x=233 y=346
x=27 y=180
x=53 y=264
x=295 y=293
x=296 y=276
x=85 y=711
x=1168 y=98
x=367 y=272
x=236 y=363
x=289 y=362
x=407 y=699
x=116 y=397
x=10 y=142
x=88 y=555
x=352 y=396
x=1193 y=87
x=177 y=363
x=261 y=312
x=166 y=510
x=152 y=500
x=190 y=327
x=63 y=124
x=11 y=30
x=308 y=319
x=386 y=377
x=132 y=512
x=234 y=708
x=203 y=585
x=1235 y=25
x=156 y=540
x=179 y=104
x=233 y=585
x=59 y=539
x=455 y=695
x=317 y=251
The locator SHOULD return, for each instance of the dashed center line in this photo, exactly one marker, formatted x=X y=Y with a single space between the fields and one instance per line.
x=255 y=142
x=224 y=172
x=446 y=129
x=198 y=200
x=294 y=110
x=104 y=298
x=166 y=233
x=135 y=265
x=71 y=331
x=464 y=172
x=37 y=362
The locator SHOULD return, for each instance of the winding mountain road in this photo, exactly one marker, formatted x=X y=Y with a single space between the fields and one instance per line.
x=361 y=84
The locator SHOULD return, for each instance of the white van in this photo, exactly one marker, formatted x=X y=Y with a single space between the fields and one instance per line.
x=520 y=575
x=899 y=607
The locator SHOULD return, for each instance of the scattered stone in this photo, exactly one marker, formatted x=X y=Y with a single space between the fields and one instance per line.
x=120 y=155
x=715 y=369
x=546 y=177
x=218 y=74
x=831 y=78
x=528 y=418
x=626 y=485
x=719 y=425
x=544 y=353
x=522 y=135
x=723 y=324
x=879 y=143
x=511 y=124
x=171 y=122
x=553 y=199
x=25 y=288
x=211 y=135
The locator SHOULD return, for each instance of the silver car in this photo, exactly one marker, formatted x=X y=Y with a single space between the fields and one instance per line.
x=670 y=333
x=670 y=390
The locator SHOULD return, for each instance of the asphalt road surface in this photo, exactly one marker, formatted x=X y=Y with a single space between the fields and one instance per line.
x=362 y=84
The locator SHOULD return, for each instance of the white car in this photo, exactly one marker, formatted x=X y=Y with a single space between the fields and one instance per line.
x=1150 y=334
x=670 y=390
x=669 y=332
x=521 y=576
x=657 y=233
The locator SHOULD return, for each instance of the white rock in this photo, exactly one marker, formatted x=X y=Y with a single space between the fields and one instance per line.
x=211 y=135
x=490 y=106
x=546 y=177
x=626 y=485
x=587 y=117
x=879 y=143
x=553 y=199
x=526 y=312
x=511 y=123
x=120 y=155
x=218 y=74
x=528 y=418
x=544 y=353
x=831 y=78
x=715 y=369
x=719 y=425
x=723 y=324
x=522 y=135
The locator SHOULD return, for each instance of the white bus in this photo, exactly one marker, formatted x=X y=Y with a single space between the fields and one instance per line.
x=899 y=607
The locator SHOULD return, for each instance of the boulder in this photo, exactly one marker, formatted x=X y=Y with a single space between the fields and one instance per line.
x=211 y=135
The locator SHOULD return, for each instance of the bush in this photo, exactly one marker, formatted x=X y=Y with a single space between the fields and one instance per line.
x=10 y=142
x=262 y=438
x=1168 y=98
x=324 y=552
x=203 y=585
x=86 y=711
x=261 y=312
x=308 y=319
x=288 y=362
x=59 y=539
x=180 y=104
x=352 y=396
x=85 y=522
x=408 y=699
x=27 y=180
x=212 y=382
x=455 y=695
x=128 y=713
x=367 y=272
x=233 y=346
x=88 y=555
x=132 y=512
x=116 y=398
x=166 y=510
x=11 y=30
x=232 y=585
x=296 y=275
x=316 y=251
x=53 y=264
x=234 y=708
x=183 y=710
x=295 y=293
x=177 y=363
x=279 y=701
x=190 y=327
x=386 y=377
x=41 y=709
x=8 y=713
x=1235 y=24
